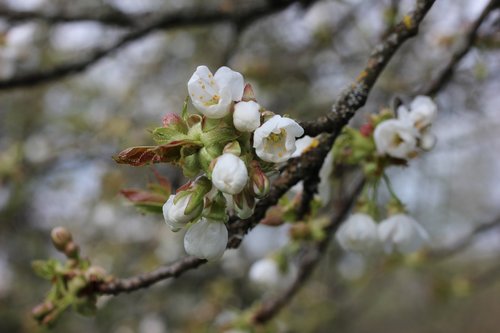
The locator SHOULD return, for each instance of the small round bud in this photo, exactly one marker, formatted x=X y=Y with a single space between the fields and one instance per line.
x=60 y=238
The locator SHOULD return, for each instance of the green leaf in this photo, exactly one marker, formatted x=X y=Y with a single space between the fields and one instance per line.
x=166 y=135
x=45 y=269
x=150 y=208
x=184 y=113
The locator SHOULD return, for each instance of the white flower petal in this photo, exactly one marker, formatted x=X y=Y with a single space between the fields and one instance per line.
x=246 y=116
x=226 y=77
x=423 y=111
x=401 y=232
x=274 y=141
x=265 y=272
x=358 y=233
x=230 y=174
x=395 y=138
x=208 y=96
x=206 y=239
x=173 y=213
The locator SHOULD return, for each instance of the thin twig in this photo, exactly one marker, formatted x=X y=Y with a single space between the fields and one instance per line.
x=174 y=20
x=105 y=16
x=463 y=243
x=468 y=42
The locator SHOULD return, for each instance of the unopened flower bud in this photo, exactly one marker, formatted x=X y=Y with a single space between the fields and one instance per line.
x=230 y=174
x=260 y=182
x=248 y=94
x=187 y=204
x=60 y=238
x=244 y=204
x=366 y=129
x=246 y=116
x=174 y=121
x=206 y=239
x=232 y=148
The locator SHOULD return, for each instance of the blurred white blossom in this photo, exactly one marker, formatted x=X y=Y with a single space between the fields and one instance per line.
x=402 y=233
x=358 y=233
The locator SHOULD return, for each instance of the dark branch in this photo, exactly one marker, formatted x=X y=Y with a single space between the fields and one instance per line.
x=170 y=21
x=147 y=279
x=468 y=42
x=104 y=16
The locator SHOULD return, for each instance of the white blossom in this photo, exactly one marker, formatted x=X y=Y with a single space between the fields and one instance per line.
x=302 y=144
x=358 y=233
x=230 y=174
x=206 y=239
x=427 y=140
x=274 y=141
x=212 y=95
x=265 y=272
x=246 y=116
x=174 y=212
x=396 y=138
x=401 y=232
x=423 y=112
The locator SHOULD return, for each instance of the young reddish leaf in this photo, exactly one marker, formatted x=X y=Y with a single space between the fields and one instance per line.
x=141 y=196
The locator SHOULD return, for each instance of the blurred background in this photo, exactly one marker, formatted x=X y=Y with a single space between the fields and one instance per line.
x=57 y=138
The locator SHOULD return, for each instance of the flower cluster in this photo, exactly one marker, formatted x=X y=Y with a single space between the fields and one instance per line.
x=401 y=137
x=399 y=232
x=382 y=142
x=228 y=148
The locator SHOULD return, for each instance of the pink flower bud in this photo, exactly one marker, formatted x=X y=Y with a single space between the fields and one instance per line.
x=260 y=182
x=174 y=121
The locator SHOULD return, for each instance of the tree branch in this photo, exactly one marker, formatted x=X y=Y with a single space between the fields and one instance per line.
x=145 y=280
x=107 y=16
x=355 y=97
x=174 y=20
x=468 y=42
x=443 y=253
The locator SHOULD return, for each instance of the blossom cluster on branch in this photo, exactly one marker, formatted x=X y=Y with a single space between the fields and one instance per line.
x=227 y=148
x=385 y=141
